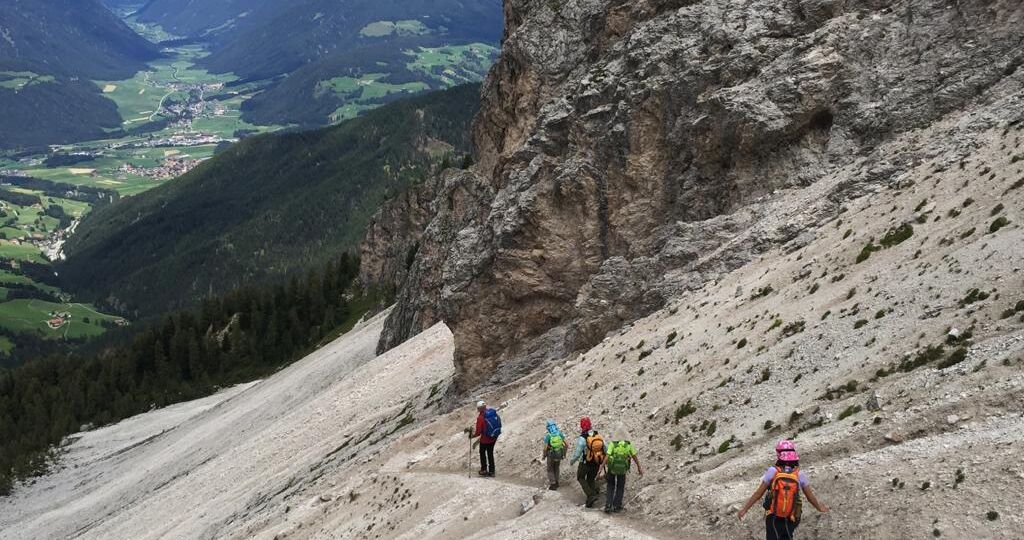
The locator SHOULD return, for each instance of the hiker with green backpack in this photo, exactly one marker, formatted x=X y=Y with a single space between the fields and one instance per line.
x=554 y=452
x=616 y=464
x=782 y=505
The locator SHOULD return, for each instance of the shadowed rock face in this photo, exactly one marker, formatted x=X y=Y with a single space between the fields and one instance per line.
x=625 y=148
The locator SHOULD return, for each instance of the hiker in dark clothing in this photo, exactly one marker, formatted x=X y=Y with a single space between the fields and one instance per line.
x=589 y=451
x=783 y=483
x=486 y=440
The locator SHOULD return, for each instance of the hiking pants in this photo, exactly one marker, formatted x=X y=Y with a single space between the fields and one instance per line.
x=587 y=476
x=487 y=458
x=616 y=489
x=777 y=528
x=553 y=466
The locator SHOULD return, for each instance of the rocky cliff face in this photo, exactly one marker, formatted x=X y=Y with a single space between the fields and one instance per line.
x=630 y=150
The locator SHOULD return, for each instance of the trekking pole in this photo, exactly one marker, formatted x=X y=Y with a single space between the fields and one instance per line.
x=468 y=433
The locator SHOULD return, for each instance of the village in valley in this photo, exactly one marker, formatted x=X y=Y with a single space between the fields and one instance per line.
x=175 y=117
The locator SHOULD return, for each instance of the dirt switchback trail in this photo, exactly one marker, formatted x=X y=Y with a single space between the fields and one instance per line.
x=557 y=510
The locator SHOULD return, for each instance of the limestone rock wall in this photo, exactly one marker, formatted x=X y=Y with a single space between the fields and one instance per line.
x=627 y=148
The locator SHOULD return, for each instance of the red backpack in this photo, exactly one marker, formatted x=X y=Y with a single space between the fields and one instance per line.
x=783 y=499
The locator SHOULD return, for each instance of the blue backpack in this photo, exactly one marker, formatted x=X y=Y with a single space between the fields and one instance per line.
x=492 y=423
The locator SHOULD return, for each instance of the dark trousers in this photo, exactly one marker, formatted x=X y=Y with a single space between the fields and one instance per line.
x=616 y=489
x=487 y=458
x=777 y=528
x=586 y=474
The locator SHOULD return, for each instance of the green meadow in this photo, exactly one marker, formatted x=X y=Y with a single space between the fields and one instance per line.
x=410 y=27
x=454 y=64
x=16 y=80
x=28 y=315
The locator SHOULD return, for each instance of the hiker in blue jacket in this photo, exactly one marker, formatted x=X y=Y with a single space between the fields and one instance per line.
x=589 y=451
x=554 y=452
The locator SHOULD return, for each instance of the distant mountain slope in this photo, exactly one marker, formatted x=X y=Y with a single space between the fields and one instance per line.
x=319 y=28
x=201 y=17
x=394 y=41
x=49 y=50
x=248 y=38
x=268 y=207
x=56 y=112
x=316 y=94
x=79 y=38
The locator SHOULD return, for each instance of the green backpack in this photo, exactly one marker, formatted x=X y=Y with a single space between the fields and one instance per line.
x=618 y=457
x=557 y=447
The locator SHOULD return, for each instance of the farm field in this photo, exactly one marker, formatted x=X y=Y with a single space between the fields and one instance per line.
x=436 y=67
x=453 y=64
x=16 y=80
x=8 y=278
x=30 y=315
x=23 y=252
x=360 y=92
x=387 y=28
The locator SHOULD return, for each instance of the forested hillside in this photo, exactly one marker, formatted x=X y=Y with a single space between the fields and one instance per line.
x=231 y=338
x=268 y=207
x=51 y=51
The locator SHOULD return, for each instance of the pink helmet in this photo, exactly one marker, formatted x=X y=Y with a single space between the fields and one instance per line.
x=785 y=445
x=789 y=455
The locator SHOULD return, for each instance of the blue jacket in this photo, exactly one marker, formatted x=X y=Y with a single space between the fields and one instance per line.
x=581 y=445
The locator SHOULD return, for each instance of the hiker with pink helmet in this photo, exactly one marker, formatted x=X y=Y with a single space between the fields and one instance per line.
x=783 y=482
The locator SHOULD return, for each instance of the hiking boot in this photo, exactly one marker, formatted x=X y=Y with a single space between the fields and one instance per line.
x=553 y=487
x=607 y=509
x=490 y=475
x=617 y=509
x=483 y=474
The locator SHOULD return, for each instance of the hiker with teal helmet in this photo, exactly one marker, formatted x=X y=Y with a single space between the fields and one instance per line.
x=554 y=452
x=616 y=464
x=783 y=482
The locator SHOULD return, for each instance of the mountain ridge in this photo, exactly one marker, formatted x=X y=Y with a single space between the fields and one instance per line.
x=46 y=96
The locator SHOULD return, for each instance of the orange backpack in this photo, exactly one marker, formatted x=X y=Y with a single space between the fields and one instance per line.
x=595 y=448
x=783 y=498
